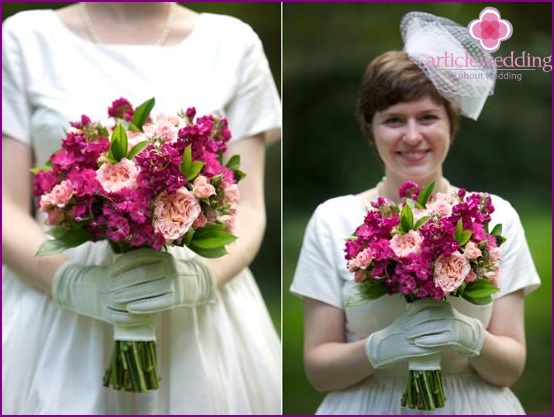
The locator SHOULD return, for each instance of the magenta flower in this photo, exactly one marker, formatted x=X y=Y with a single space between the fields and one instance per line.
x=490 y=30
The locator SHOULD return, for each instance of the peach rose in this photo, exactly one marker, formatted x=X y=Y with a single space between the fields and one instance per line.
x=441 y=204
x=231 y=194
x=202 y=188
x=450 y=271
x=471 y=251
x=406 y=244
x=361 y=261
x=230 y=222
x=175 y=213
x=58 y=197
x=115 y=177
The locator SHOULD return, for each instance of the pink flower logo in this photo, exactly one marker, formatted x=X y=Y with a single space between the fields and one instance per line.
x=490 y=30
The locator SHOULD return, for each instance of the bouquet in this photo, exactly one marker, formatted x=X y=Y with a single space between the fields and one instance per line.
x=428 y=246
x=141 y=182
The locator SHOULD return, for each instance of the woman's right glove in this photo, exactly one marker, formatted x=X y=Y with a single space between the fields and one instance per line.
x=95 y=291
x=391 y=344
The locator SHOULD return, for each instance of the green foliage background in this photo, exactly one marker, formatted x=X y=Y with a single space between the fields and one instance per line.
x=265 y=19
x=326 y=48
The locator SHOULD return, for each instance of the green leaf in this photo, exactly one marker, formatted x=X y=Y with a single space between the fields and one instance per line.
x=118 y=145
x=135 y=150
x=212 y=239
x=194 y=170
x=406 y=218
x=425 y=194
x=372 y=289
x=462 y=236
x=480 y=288
x=142 y=112
x=234 y=162
x=46 y=167
x=421 y=222
x=478 y=300
x=63 y=241
x=497 y=233
x=497 y=230
x=209 y=253
x=187 y=160
x=239 y=175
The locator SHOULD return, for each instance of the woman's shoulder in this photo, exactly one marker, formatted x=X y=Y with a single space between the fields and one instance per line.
x=29 y=19
x=30 y=24
x=229 y=27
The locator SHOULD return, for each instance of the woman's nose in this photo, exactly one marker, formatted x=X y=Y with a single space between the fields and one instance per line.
x=412 y=135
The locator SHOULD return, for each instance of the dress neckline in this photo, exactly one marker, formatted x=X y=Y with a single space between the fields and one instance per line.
x=124 y=46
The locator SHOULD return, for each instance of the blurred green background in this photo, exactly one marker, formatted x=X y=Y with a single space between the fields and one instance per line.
x=326 y=48
x=265 y=19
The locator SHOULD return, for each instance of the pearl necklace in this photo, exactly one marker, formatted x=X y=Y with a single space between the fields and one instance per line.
x=161 y=40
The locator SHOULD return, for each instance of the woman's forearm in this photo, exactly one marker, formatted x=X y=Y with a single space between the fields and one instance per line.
x=501 y=360
x=21 y=238
x=251 y=223
x=336 y=366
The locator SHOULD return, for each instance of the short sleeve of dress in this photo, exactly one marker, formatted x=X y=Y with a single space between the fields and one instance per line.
x=256 y=106
x=16 y=109
x=316 y=274
x=518 y=270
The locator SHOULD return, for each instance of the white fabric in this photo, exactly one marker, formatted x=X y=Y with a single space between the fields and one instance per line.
x=321 y=274
x=428 y=39
x=216 y=359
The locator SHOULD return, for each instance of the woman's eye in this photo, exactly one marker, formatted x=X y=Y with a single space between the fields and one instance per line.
x=392 y=121
x=429 y=118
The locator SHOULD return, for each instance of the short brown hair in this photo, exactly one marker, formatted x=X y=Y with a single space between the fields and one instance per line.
x=393 y=78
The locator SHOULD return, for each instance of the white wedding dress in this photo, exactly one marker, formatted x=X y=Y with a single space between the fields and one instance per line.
x=223 y=358
x=321 y=274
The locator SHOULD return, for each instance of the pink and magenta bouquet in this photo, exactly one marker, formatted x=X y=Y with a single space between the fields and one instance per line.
x=428 y=246
x=141 y=182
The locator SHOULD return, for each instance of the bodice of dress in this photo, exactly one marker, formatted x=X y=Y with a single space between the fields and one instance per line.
x=219 y=67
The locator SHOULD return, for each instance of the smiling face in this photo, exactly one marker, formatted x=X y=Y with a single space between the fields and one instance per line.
x=412 y=139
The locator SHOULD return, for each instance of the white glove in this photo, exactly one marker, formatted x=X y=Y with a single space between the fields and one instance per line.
x=94 y=291
x=166 y=284
x=391 y=344
x=436 y=324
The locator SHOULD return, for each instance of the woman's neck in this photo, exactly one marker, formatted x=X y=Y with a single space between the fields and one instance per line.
x=122 y=11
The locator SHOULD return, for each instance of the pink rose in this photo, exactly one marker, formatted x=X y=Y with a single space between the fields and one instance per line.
x=58 y=197
x=231 y=194
x=494 y=254
x=471 y=276
x=441 y=205
x=165 y=128
x=175 y=213
x=229 y=222
x=494 y=276
x=200 y=221
x=406 y=244
x=471 y=251
x=115 y=177
x=450 y=271
x=361 y=261
x=202 y=188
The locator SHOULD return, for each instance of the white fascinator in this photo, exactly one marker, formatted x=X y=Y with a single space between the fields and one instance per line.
x=460 y=70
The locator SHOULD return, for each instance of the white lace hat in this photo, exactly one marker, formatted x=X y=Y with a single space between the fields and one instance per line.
x=459 y=69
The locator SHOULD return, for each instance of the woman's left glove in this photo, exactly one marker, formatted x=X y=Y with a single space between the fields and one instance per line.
x=169 y=283
x=436 y=323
